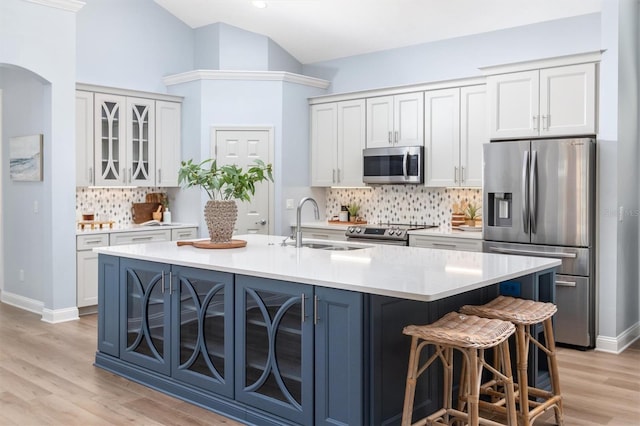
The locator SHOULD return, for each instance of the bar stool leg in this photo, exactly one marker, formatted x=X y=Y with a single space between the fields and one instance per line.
x=474 y=386
x=509 y=390
x=553 y=369
x=522 y=347
x=410 y=390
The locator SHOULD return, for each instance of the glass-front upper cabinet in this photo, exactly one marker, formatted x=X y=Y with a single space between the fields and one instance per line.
x=109 y=139
x=140 y=152
x=124 y=150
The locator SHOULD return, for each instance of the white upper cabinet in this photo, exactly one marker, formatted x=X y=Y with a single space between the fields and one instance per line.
x=337 y=141
x=568 y=100
x=442 y=137
x=474 y=132
x=127 y=140
x=455 y=129
x=168 y=146
x=324 y=142
x=557 y=101
x=84 y=138
x=351 y=142
x=395 y=120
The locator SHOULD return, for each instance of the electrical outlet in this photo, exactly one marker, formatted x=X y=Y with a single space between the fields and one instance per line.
x=289 y=203
x=21 y=274
x=620 y=214
x=35 y=206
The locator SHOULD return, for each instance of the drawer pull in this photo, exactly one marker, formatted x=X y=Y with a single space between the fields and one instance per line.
x=93 y=241
x=565 y=283
x=141 y=238
x=444 y=245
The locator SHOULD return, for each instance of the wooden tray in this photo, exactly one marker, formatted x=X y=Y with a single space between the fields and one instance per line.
x=207 y=244
x=337 y=222
x=94 y=223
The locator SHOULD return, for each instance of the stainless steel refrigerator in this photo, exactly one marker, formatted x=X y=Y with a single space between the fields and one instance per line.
x=539 y=200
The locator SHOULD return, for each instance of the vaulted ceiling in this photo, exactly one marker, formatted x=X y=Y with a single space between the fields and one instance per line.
x=318 y=30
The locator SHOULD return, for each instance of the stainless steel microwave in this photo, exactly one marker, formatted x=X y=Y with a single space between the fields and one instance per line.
x=401 y=164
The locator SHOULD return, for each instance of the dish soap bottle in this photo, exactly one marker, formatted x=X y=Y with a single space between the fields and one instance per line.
x=166 y=216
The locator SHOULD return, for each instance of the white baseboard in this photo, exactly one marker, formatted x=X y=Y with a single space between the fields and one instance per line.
x=37 y=307
x=619 y=343
x=59 y=315
x=22 y=302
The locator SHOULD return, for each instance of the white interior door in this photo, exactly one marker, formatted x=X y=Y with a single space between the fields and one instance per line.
x=241 y=146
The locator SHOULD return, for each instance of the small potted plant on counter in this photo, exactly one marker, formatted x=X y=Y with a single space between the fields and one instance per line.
x=353 y=209
x=224 y=185
x=472 y=215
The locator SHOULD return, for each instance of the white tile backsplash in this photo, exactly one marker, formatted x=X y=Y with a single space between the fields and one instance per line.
x=110 y=203
x=402 y=203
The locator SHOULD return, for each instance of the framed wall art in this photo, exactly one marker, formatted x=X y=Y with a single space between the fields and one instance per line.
x=25 y=158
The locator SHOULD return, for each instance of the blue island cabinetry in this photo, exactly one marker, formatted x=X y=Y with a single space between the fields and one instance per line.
x=268 y=351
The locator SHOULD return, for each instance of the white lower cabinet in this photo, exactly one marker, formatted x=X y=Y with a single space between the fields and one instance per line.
x=87 y=268
x=445 y=242
x=87 y=260
x=321 y=233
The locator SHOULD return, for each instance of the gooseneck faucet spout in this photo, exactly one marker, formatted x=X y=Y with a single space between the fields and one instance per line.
x=298 y=230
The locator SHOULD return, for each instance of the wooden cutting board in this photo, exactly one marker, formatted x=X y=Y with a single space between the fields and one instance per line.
x=208 y=244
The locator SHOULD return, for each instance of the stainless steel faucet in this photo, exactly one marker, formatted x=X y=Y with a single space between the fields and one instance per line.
x=300 y=204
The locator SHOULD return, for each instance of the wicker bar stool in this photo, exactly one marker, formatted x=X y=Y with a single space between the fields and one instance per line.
x=470 y=335
x=524 y=314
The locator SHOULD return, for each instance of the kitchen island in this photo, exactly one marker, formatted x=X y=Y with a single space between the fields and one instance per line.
x=274 y=334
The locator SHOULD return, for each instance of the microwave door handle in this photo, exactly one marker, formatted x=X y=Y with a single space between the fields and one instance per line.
x=533 y=191
x=404 y=165
x=525 y=192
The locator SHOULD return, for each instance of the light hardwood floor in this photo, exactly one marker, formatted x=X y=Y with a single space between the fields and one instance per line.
x=47 y=377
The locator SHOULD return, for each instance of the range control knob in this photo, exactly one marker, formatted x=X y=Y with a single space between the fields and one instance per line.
x=350 y=230
x=358 y=230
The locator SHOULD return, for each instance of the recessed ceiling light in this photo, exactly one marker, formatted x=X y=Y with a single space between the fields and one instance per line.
x=260 y=4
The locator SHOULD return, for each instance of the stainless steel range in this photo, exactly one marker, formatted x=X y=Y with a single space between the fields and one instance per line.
x=384 y=233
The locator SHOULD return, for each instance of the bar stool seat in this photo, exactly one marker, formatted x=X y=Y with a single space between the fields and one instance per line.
x=470 y=335
x=524 y=314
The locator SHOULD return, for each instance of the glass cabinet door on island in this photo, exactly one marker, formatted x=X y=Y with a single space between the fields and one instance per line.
x=274 y=347
x=145 y=314
x=202 y=335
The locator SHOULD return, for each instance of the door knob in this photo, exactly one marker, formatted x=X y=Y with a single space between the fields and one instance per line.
x=261 y=222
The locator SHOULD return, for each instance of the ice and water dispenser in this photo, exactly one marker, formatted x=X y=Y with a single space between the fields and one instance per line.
x=500 y=209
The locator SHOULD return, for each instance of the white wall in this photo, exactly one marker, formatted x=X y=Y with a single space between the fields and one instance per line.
x=41 y=39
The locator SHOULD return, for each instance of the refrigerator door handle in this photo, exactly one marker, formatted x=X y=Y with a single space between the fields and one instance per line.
x=525 y=192
x=565 y=283
x=555 y=255
x=533 y=192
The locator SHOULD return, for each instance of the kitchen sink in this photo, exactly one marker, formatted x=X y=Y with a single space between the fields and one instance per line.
x=328 y=246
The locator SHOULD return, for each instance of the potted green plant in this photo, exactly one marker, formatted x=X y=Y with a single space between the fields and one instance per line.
x=353 y=209
x=472 y=214
x=224 y=185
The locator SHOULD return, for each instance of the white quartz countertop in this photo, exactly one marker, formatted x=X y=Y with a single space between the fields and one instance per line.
x=405 y=272
x=131 y=228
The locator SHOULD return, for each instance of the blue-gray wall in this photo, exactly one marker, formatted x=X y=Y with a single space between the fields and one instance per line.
x=41 y=40
x=131 y=44
x=459 y=57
